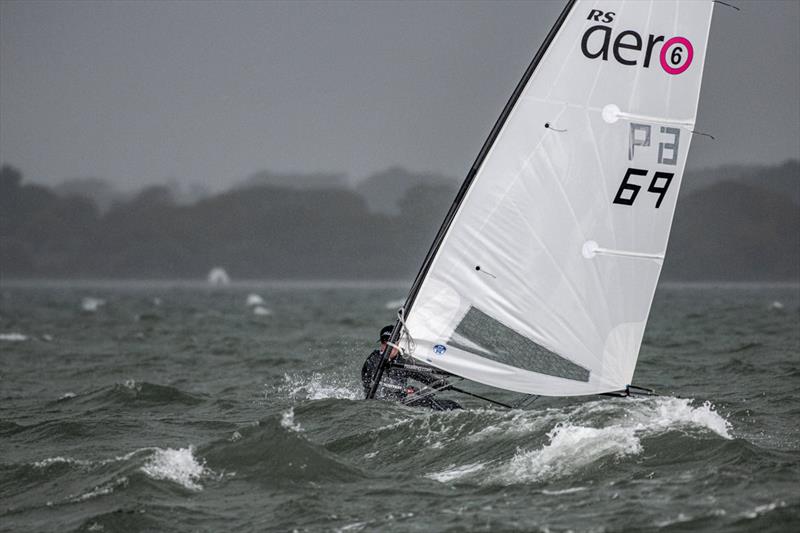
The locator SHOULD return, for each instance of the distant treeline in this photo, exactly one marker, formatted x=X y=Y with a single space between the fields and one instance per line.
x=735 y=223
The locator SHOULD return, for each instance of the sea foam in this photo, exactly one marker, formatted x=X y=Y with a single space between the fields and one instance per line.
x=287 y=421
x=318 y=387
x=455 y=472
x=179 y=466
x=575 y=444
x=584 y=434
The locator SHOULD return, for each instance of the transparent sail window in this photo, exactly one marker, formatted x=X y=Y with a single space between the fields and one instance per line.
x=482 y=335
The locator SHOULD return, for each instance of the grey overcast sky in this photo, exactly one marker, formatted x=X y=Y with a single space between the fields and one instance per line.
x=210 y=92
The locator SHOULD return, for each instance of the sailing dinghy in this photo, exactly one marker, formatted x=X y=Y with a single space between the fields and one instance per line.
x=541 y=278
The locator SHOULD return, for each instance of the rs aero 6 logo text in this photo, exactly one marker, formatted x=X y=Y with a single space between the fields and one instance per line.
x=630 y=48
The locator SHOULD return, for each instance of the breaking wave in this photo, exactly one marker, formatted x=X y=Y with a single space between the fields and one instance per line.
x=579 y=437
x=179 y=466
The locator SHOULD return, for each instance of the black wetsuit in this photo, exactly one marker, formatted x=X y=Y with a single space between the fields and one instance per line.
x=394 y=382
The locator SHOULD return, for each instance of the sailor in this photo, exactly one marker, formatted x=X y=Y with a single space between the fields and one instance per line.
x=394 y=382
x=396 y=375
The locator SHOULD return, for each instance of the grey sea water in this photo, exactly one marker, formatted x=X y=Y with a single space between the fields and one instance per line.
x=174 y=407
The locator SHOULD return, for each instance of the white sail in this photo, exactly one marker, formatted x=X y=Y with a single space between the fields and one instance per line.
x=541 y=280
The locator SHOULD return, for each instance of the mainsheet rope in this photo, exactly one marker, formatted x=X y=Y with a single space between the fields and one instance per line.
x=411 y=345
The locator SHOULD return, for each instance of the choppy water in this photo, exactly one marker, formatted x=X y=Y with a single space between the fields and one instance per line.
x=177 y=408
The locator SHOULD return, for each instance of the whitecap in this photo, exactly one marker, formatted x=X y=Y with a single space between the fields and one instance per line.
x=101 y=490
x=455 y=472
x=13 y=337
x=776 y=305
x=287 y=421
x=570 y=490
x=132 y=385
x=254 y=299
x=677 y=520
x=666 y=413
x=575 y=443
x=515 y=423
x=66 y=396
x=763 y=509
x=44 y=463
x=570 y=449
x=179 y=466
x=261 y=311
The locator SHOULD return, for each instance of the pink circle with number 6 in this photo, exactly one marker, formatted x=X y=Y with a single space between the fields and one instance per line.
x=676 y=62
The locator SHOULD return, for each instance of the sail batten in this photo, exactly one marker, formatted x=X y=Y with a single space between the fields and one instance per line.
x=542 y=275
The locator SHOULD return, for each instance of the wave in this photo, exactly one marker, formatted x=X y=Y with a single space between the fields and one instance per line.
x=179 y=466
x=273 y=452
x=582 y=436
x=64 y=480
x=131 y=392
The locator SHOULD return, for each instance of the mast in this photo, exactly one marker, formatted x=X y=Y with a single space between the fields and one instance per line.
x=462 y=192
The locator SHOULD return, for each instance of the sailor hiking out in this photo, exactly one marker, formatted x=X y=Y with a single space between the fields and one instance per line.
x=397 y=374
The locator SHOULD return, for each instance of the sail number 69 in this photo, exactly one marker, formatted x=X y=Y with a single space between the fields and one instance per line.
x=628 y=191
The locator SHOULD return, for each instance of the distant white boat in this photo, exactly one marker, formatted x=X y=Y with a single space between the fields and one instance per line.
x=90 y=304
x=218 y=277
x=254 y=299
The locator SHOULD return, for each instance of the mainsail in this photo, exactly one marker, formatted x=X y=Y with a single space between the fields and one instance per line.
x=541 y=278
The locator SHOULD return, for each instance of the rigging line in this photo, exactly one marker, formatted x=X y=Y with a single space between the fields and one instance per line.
x=527 y=401
x=484 y=398
x=411 y=345
x=426 y=391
